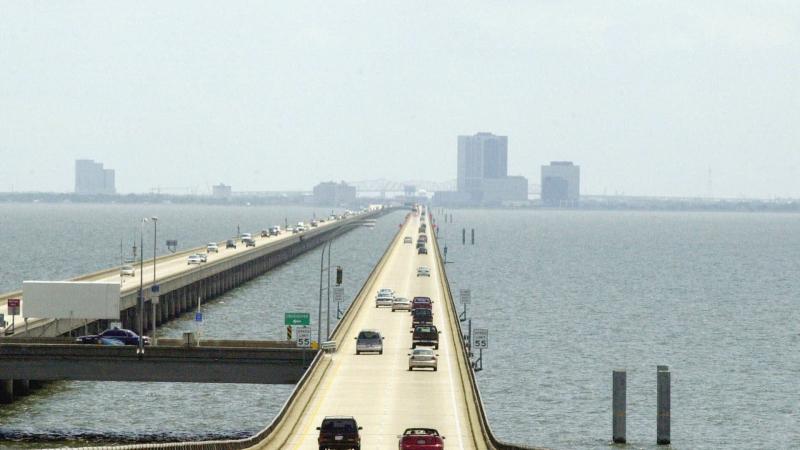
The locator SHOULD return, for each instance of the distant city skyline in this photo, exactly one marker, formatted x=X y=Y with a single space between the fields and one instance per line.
x=677 y=98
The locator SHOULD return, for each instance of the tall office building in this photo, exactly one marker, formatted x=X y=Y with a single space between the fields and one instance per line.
x=92 y=178
x=483 y=155
x=483 y=172
x=561 y=183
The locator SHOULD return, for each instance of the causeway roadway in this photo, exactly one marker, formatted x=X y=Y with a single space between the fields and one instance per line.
x=379 y=390
x=174 y=266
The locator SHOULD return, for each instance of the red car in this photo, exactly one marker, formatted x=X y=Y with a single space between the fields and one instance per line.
x=421 y=439
x=421 y=302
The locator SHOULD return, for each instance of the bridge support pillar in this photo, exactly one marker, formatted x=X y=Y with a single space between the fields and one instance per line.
x=21 y=387
x=6 y=391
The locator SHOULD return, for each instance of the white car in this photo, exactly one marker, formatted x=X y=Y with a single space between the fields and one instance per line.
x=423 y=271
x=385 y=291
x=246 y=236
x=384 y=300
x=203 y=257
x=422 y=357
x=194 y=259
x=401 y=304
x=127 y=271
x=212 y=247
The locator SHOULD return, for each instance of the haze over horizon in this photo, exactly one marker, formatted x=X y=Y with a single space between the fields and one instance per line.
x=670 y=99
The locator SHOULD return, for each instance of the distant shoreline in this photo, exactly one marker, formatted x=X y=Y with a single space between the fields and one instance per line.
x=588 y=203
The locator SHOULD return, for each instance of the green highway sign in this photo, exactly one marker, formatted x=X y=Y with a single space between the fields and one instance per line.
x=296 y=319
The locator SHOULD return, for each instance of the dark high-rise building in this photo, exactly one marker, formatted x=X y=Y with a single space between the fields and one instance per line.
x=561 y=184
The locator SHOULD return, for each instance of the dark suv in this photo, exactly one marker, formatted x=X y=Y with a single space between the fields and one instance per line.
x=421 y=316
x=339 y=432
x=425 y=335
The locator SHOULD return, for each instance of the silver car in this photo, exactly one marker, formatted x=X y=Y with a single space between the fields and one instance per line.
x=127 y=271
x=401 y=304
x=369 y=341
x=422 y=358
x=194 y=259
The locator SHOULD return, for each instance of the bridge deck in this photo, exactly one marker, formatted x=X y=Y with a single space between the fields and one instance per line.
x=378 y=390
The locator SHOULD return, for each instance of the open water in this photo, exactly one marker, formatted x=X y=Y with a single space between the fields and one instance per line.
x=567 y=296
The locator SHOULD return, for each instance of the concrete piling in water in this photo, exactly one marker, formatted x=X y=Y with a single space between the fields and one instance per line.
x=619 y=406
x=473 y=236
x=463 y=236
x=21 y=387
x=6 y=391
x=663 y=406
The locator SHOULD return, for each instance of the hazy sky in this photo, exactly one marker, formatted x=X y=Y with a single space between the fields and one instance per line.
x=646 y=96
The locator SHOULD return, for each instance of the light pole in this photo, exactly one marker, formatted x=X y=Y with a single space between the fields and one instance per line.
x=321 y=270
x=140 y=305
x=153 y=288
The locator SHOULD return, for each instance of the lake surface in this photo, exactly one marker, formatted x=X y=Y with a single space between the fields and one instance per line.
x=567 y=296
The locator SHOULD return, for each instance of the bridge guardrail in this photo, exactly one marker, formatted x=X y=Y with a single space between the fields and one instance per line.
x=463 y=355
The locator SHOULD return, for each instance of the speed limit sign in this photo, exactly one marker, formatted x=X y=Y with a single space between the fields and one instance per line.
x=303 y=337
x=480 y=338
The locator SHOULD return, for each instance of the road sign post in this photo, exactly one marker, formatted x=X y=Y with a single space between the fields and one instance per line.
x=480 y=341
x=303 y=340
x=466 y=296
x=338 y=295
x=12 y=306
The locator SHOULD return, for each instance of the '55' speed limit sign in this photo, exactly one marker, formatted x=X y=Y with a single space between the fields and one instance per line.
x=480 y=338
x=303 y=337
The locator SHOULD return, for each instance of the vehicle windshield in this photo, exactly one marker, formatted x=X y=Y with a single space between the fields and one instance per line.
x=369 y=335
x=338 y=426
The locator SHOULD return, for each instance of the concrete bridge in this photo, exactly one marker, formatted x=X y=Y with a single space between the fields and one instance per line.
x=378 y=390
x=181 y=286
x=171 y=361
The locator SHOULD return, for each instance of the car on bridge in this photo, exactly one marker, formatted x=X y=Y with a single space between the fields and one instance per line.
x=127 y=271
x=384 y=299
x=422 y=251
x=423 y=358
x=426 y=335
x=339 y=432
x=421 y=302
x=369 y=341
x=424 y=271
x=230 y=243
x=421 y=439
x=274 y=230
x=401 y=304
x=123 y=335
x=407 y=240
x=421 y=316
x=193 y=259
x=250 y=242
x=212 y=247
